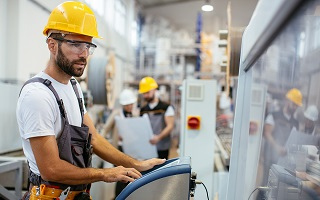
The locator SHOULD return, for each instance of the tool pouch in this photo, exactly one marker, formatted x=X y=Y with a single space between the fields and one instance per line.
x=48 y=193
x=38 y=193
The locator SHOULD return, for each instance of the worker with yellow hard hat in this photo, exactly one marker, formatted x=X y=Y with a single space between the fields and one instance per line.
x=277 y=128
x=57 y=133
x=161 y=115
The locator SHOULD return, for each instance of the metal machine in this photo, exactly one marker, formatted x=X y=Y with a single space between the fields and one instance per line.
x=283 y=184
x=198 y=129
x=267 y=73
x=171 y=180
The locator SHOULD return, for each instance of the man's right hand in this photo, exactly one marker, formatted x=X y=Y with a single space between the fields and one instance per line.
x=281 y=150
x=120 y=174
x=144 y=165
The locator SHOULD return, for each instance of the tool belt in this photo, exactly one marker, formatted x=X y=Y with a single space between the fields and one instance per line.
x=49 y=193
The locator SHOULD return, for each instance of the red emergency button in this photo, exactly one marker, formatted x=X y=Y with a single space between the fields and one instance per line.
x=194 y=122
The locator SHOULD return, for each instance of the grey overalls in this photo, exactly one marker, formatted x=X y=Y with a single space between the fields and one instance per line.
x=281 y=132
x=157 y=120
x=74 y=142
x=158 y=124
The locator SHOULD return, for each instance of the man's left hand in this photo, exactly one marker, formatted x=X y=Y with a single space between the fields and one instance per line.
x=155 y=139
x=148 y=164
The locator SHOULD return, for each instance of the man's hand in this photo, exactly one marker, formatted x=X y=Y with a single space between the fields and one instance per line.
x=155 y=139
x=148 y=164
x=120 y=174
x=282 y=151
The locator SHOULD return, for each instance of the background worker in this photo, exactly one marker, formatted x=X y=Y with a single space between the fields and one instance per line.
x=311 y=118
x=126 y=100
x=277 y=128
x=310 y=127
x=161 y=116
x=58 y=136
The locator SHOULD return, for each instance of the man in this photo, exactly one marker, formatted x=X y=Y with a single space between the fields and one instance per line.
x=311 y=117
x=58 y=135
x=161 y=116
x=277 y=129
x=126 y=100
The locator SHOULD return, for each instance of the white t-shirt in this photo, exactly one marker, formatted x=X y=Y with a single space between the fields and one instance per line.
x=169 y=112
x=270 y=119
x=38 y=112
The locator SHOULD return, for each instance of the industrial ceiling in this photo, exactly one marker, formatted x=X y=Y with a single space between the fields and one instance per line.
x=183 y=13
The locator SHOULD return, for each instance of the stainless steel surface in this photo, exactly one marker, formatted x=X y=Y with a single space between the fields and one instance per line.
x=285 y=185
x=64 y=194
x=16 y=168
x=173 y=187
x=8 y=178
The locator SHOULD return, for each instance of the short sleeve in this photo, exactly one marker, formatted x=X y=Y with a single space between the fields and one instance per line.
x=269 y=120
x=169 y=112
x=37 y=113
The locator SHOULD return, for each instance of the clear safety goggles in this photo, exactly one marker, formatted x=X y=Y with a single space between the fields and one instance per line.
x=78 y=47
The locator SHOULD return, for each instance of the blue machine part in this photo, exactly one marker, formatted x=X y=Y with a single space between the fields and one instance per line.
x=198 y=40
x=171 y=180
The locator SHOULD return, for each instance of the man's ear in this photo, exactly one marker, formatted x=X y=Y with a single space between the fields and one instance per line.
x=52 y=45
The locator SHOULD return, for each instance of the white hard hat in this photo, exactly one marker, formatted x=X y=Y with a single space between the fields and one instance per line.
x=311 y=113
x=224 y=101
x=127 y=97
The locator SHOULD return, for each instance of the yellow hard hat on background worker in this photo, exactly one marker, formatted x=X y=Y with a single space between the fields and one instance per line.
x=73 y=17
x=295 y=96
x=146 y=84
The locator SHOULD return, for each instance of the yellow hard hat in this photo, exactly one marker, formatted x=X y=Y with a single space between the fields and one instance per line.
x=295 y=96
x=146 y=84
x=73 y=17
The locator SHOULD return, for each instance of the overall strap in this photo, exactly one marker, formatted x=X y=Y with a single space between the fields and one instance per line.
x=80 y=102
x=47 y=83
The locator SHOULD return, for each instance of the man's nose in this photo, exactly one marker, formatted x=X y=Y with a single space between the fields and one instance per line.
x=85 y=53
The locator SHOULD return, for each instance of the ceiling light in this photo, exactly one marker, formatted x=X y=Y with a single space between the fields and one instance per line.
x=207 y=7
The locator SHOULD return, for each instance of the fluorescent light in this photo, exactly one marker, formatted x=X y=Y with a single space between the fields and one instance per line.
x=207 y=8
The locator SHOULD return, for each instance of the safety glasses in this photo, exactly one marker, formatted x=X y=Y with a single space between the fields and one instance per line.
x=78 y=47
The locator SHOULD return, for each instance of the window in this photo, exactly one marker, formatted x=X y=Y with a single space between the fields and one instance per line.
x=97 y=6
x=134 y=32
x=109 y=12
x=120 y=19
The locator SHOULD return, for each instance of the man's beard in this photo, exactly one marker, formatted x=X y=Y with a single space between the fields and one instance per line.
x=149 y=99
x=67 y=66
x=291 y=111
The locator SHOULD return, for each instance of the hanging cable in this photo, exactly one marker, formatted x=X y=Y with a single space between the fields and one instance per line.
x=200 y=182
x=261 y=188
x=252 y=193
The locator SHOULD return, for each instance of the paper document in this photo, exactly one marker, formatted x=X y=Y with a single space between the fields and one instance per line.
x=299 y=138
x=136 y=133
